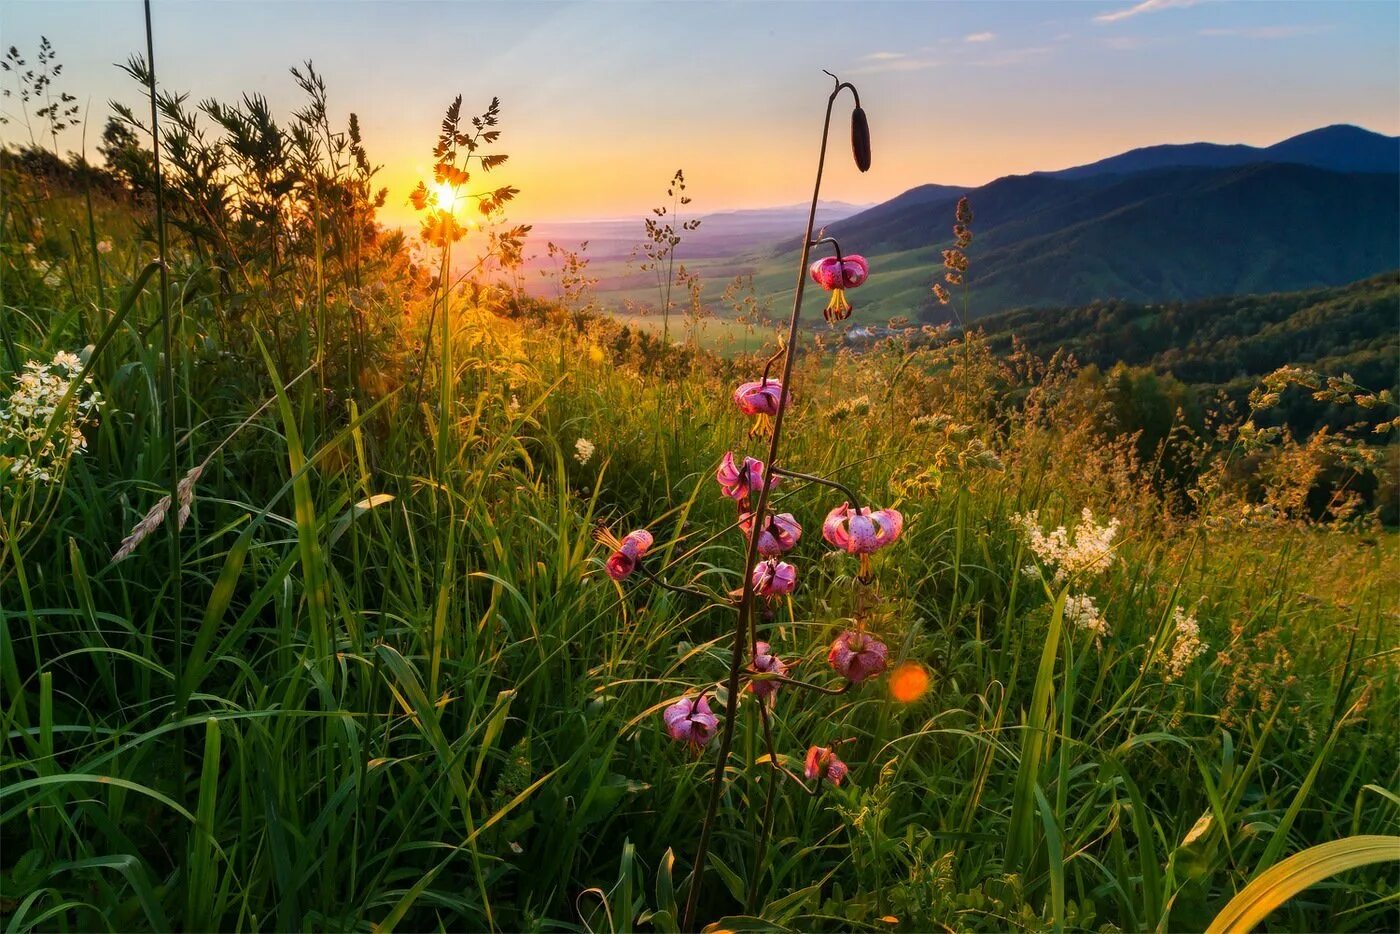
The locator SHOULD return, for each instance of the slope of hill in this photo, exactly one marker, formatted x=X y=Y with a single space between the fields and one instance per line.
x=1341 y=148
x=1227 y=342
x=1163 y=235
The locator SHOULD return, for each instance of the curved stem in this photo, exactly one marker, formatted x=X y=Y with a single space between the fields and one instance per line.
x=769 y=365
x=677 y=588
x=809 y=686
x=850 y=496
x=745 y=623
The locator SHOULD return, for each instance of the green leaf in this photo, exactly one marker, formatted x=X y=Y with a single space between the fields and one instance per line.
x=1278 y=884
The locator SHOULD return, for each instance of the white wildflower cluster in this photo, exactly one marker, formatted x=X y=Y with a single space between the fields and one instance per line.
x=25 y=419
x=1070 y=556
x=1082 y=612
x=1186 y=647
x=583 y=450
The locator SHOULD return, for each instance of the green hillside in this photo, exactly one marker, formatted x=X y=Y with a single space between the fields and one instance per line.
x=1225 y=340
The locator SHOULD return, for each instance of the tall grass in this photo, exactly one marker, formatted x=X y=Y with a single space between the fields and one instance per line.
x=406 y=696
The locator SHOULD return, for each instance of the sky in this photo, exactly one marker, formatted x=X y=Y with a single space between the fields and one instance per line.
x=603 y=101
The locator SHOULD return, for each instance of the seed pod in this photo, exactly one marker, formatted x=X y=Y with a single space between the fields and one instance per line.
x=860 y=139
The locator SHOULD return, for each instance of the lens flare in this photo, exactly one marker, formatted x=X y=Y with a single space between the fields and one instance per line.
x=444 y=196
x=908 y=682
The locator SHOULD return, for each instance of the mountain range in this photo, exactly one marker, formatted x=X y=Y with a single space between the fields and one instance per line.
x=1340 y=148
x=1163 y=223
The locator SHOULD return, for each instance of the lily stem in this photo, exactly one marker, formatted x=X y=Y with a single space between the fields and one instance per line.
x=745 y=625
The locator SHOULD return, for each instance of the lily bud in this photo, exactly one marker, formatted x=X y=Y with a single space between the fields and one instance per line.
x=860 y=139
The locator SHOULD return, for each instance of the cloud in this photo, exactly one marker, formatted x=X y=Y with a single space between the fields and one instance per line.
x=980 y=37
x=1146 y=6
x=894 y=61
x=1267 y=32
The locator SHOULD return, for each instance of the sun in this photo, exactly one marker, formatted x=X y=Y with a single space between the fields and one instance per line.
x=445 y=196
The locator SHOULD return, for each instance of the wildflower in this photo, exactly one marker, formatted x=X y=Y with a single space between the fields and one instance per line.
x=778 y=536
x=1186 y=647
x=822 y=763
x=689 y=720
x=1082 y=613
x=857 y=656
x=862 y=532
x=941 y=293
x=774 y=578
x=104 y=246
x=765 y=662
x=44 y=451
x=627 y=552
x=759 y=397
x=1088 y=551
x=836 y=276
x=583 y=450
x=739 y=480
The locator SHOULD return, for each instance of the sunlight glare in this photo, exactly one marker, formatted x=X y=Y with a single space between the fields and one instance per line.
x=445 y=196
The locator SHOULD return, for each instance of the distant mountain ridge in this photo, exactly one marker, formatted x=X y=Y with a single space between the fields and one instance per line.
x=1315 y=210
x=1340 y=148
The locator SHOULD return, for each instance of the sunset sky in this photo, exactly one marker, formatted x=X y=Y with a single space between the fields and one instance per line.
x=603 y=101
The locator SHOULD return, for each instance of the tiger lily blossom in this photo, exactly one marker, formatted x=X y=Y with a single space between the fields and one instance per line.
x=836 y=275
x=822 y=763
x=778 y=536
x=857 y=655
x=627 y=553
x=738 y=480
x=759 y=397
x=690 y=720
x=764 y=662
x=862 y=532
x=774 y=578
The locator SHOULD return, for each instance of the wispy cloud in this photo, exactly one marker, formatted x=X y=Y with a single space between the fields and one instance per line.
x=1146 y=6
x=1268 y=32
x=877 y=62
x=980 y=37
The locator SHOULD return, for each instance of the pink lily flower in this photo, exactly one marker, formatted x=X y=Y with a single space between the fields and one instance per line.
x=764 y=662
x=857 y=656
x=738 y=481
x=779 y=535
x=627 y=553
x=862 y=532
x=774 y=578
x=759 y=397
x=689 y=720
x=836 y=276
x=822 y=763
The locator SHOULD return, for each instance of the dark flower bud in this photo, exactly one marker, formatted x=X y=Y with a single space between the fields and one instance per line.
x=860 y=139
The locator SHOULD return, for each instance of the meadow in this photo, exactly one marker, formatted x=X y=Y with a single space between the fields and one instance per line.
x=313 y=620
